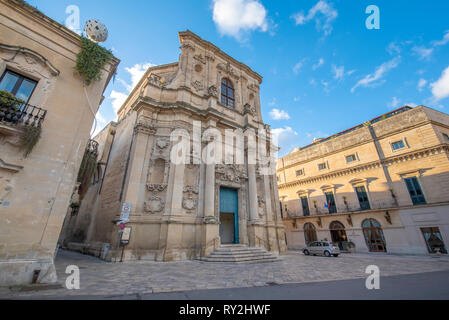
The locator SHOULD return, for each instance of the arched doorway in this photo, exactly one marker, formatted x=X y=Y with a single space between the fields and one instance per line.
x=338 y=234
x=374 y=235
x=310 y=233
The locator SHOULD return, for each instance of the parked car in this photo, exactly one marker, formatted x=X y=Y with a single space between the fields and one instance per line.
x=325 y=248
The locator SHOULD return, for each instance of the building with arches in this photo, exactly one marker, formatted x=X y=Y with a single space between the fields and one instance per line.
x=381 y=186
x=206 y=103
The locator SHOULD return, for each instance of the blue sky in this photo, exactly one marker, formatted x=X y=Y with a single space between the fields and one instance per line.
x=323 y=70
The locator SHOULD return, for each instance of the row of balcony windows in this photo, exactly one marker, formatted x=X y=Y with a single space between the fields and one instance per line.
x=329 y=207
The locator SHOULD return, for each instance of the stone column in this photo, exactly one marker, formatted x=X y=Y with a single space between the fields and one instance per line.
x=209 y=192
x=252 y=193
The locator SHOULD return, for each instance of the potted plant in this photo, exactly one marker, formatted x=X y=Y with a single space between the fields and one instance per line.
x=10 y=101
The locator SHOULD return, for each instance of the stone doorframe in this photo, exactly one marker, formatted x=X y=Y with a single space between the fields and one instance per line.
x=242 y=206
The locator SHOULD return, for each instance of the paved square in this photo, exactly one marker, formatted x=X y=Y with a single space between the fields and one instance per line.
x=98 y=278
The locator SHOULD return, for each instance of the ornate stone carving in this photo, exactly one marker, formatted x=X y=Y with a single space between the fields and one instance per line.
x=210 y=57
x=156 y=187
x=230 y=173
x=261 y=206
x=144 y=125
x=156 y=80
x=213 y=91
x=197 y=85
x=200 y=58
x=162 y=143
x=189 y=201
x=253 y=87
x=226 y=68
x=187 y=46
x=248 y=109
x=154 y=205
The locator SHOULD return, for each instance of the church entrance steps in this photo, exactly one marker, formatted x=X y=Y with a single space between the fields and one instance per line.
x=240 y=254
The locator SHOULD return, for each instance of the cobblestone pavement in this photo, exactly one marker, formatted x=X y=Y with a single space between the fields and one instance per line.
x=98 y=278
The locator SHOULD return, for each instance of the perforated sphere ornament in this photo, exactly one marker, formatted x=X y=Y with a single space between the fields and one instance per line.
x=96 y=31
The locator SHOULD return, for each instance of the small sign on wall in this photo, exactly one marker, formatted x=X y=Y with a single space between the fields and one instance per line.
x=126 y=236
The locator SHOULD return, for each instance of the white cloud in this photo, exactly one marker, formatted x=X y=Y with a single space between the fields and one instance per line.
x=443 y=41
x=272 y=103
x=316 y=135
x=298 y=66
x=422 y=52
x=323 y=13
x=285 y=138
x=339 y=72
x=393 y=48
x=100 y=123
x=137 y=72
x=277 y=114
x=325 y=86
x=297 y=99
x=394 y=103
x=421 y=84
x=236 y=17
x=411 y=104
x=318 y=64
x=118 y=98
x=372 y=79
x=440 y=88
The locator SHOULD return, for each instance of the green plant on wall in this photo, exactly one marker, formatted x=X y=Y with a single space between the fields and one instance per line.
x=91 y=60
x=9 y=100
x=29 y=138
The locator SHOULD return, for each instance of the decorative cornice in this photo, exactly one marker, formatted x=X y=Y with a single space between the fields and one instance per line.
x=372 y=165
x=217 y=51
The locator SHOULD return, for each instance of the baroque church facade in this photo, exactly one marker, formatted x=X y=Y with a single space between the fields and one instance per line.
x=181 y=210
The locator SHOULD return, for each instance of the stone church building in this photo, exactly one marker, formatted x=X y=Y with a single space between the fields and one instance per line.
x=181 y=210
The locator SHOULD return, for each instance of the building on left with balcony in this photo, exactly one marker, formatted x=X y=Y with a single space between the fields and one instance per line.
x=47 y=106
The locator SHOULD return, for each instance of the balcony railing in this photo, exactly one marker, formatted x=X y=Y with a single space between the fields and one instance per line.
x=14 y=112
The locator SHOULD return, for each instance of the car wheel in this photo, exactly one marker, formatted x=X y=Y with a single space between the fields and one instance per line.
x=327 y=253
x=306 y=252
x=335 y=255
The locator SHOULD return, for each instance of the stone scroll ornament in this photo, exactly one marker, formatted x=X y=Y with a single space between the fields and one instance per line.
x=230 y=173
x=189 y=201
x=155 y=203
